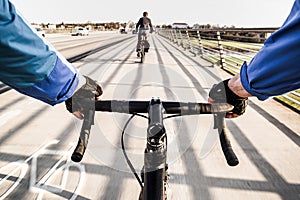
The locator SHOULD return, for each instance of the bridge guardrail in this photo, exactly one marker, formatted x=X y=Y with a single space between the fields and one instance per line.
x=229 y=48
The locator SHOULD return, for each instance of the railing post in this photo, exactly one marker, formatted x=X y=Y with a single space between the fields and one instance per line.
x=180 y=36
x=168 y=34
x=173 y=36
x=188 y=37
x=176 y=37
x=221 y=50
x=200 y=43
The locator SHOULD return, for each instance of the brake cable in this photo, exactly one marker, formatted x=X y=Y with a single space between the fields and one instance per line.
x=124 y=150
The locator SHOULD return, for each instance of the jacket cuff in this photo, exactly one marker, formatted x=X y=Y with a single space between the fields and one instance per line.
x=247 y=83
x=57 y=87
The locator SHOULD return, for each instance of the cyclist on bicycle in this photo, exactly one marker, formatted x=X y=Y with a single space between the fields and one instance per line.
x=144 y=24
x=273 y=71
x=33 y=67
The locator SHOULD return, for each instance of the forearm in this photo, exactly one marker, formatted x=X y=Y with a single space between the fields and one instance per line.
x=31 y=65
x=56 y=87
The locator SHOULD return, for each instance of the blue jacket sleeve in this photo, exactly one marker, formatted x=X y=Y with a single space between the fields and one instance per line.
x=275 y=69
x=29 y=64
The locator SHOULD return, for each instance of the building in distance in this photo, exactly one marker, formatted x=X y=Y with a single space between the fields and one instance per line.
x=179 y=25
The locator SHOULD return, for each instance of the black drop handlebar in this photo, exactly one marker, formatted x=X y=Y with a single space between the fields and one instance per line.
x=170 y=107
x=179 y=108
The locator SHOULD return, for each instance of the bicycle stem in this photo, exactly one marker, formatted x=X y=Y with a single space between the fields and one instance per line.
x=156 y=134
x=155 y=153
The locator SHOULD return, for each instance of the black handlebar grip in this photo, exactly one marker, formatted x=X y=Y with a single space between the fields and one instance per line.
x=230 y=156
x=84 y=136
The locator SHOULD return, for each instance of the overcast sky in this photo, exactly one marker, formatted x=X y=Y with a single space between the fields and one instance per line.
x=241 y=13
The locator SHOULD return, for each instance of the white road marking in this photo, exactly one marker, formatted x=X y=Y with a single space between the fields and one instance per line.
x=53 y=172
x=20 y=166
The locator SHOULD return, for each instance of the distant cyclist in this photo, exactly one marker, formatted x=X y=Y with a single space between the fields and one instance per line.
x=144 y=24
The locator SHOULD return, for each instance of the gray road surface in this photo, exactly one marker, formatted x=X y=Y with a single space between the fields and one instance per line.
x=36 y=140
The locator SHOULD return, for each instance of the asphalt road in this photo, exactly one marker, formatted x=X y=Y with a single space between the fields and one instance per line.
x=36 y=139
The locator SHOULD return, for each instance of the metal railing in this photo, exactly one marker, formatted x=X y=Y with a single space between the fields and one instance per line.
x=228 y=48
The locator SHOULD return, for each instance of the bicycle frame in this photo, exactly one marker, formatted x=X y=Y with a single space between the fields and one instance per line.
x=143 y=44
x=143 y=38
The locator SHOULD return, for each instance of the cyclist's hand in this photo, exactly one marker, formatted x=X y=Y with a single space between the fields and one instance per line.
x=84 y=98
x=221 y=93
